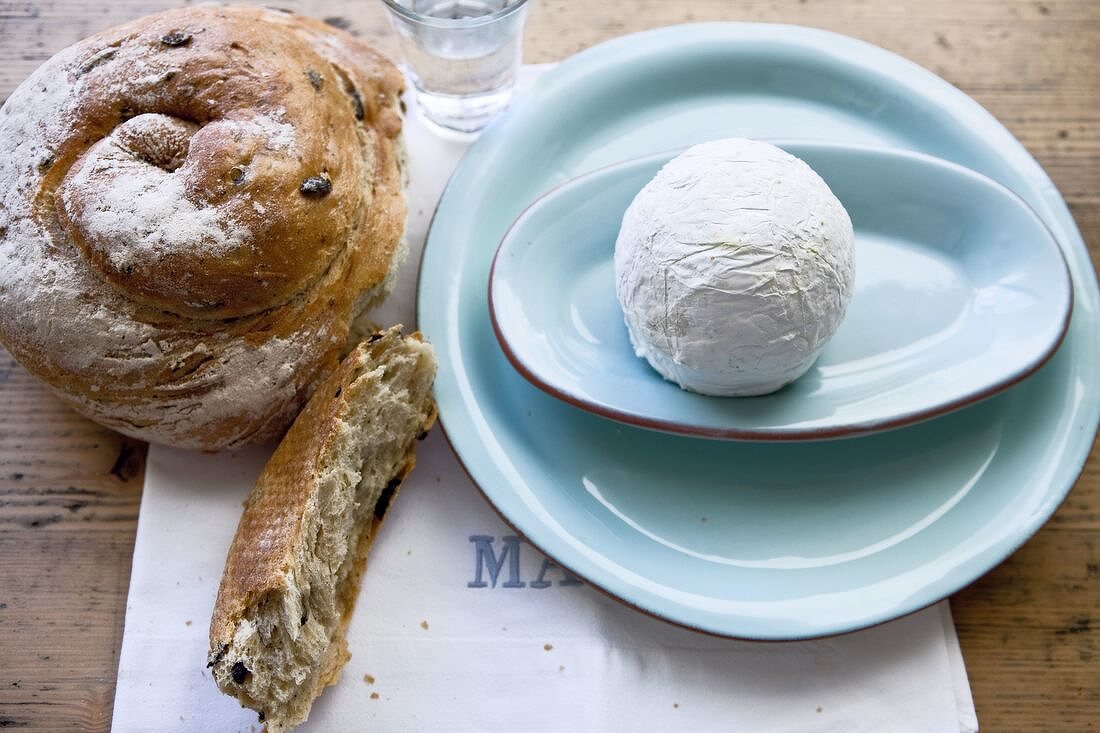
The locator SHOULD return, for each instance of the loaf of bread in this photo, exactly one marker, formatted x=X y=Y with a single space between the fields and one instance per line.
x=195 y=207
x=293 y=571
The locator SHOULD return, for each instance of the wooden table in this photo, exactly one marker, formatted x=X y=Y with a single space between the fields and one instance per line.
x=70 y=490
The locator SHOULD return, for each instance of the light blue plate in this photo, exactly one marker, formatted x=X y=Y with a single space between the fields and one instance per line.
x=758 y=540
x=961 y=291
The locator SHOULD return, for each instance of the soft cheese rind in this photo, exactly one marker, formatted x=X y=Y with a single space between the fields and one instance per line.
x=734 y=267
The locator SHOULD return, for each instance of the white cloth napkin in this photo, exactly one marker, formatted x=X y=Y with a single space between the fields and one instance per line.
x=445 y=640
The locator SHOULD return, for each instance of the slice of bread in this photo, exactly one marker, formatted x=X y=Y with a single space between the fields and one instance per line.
x=293 y=570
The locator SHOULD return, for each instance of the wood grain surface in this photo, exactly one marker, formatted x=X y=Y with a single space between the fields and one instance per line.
x=70 y=490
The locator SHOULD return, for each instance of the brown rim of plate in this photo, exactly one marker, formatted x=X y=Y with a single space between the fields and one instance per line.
x=768 y=434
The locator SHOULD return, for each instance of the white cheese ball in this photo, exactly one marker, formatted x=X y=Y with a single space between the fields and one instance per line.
x=734 y=267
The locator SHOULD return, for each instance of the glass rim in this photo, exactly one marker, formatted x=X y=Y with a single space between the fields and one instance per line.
x=415 y=17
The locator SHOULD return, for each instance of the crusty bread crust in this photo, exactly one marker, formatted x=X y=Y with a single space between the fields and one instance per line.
x=196 y=204
x=293 y=570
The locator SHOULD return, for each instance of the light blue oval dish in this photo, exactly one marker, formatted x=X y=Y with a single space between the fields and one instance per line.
x=755 y=540
x=960 y=292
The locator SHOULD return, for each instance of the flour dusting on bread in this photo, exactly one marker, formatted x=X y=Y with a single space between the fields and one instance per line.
x=136 y=215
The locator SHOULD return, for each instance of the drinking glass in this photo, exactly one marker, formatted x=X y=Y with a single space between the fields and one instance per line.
x=461 y=55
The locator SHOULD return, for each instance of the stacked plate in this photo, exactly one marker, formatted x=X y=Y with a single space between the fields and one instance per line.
x=941 y=427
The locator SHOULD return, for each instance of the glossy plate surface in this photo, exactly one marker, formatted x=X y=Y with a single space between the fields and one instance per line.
x=774 y=540
x=960 y=292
